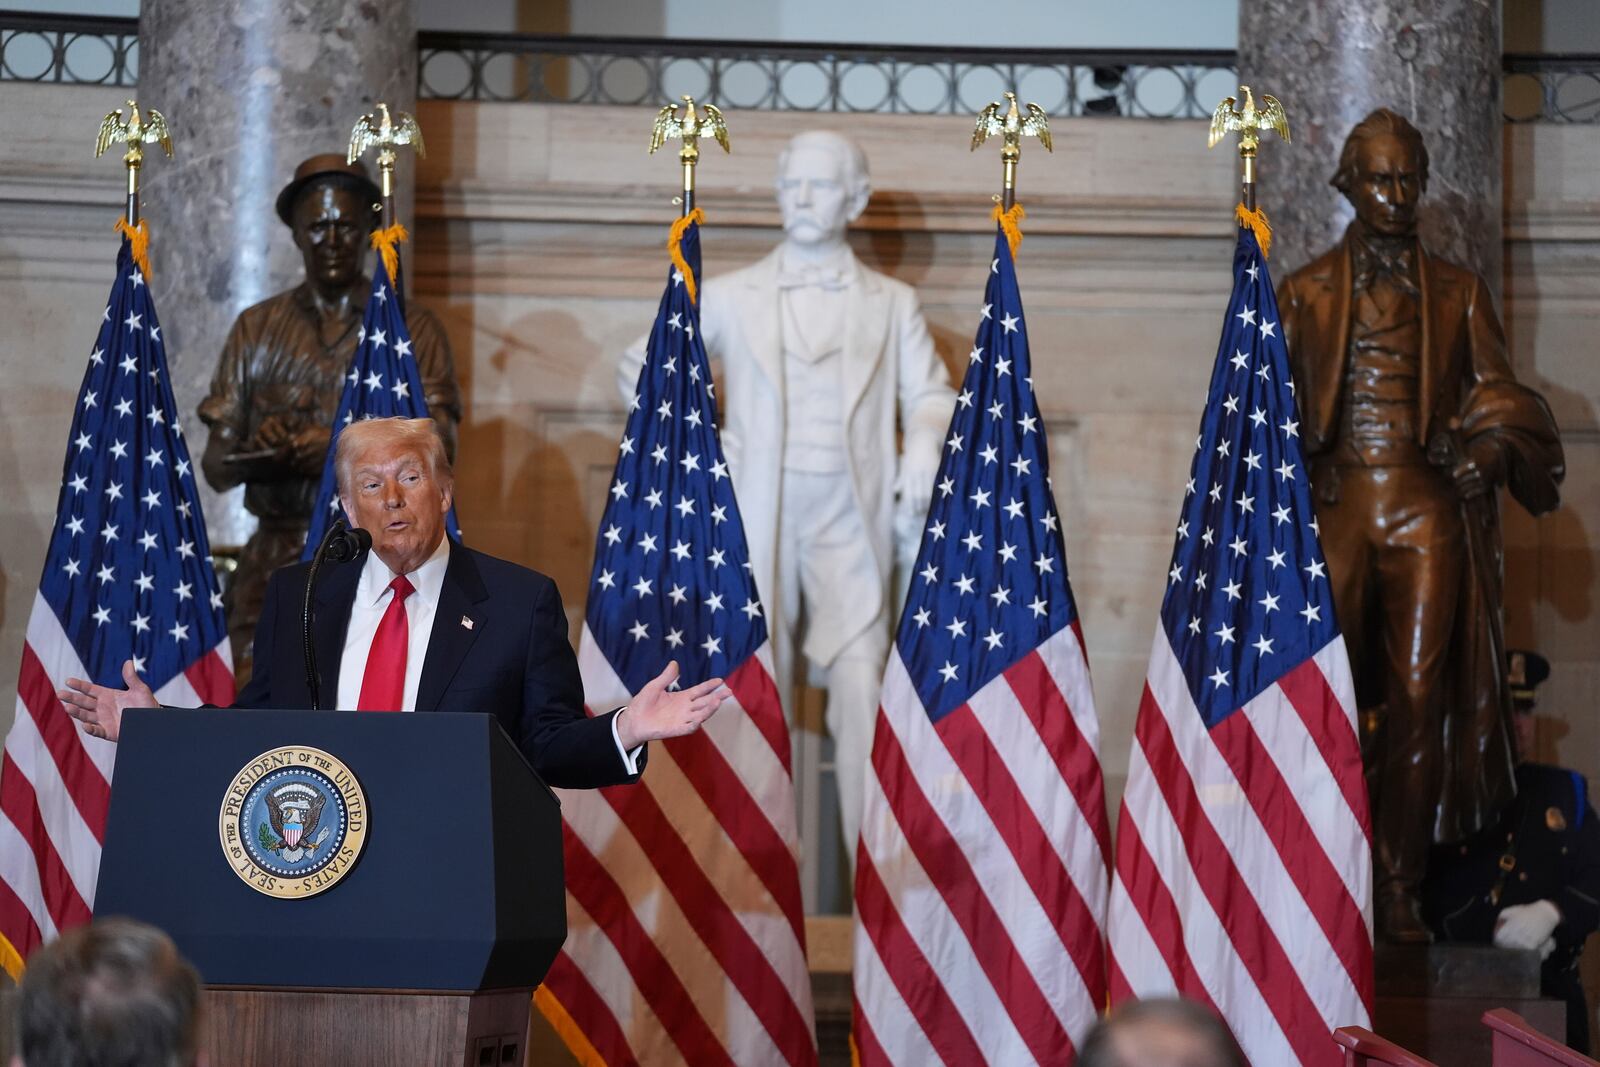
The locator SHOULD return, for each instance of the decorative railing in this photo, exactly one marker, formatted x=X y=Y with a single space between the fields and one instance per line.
x=72 y=49
x=767 y=76
x=1552 y=88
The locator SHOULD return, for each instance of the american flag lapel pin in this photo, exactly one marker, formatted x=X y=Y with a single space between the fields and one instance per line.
x=466 y=623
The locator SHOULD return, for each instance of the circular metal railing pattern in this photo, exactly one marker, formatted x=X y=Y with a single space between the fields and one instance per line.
x=768 y=76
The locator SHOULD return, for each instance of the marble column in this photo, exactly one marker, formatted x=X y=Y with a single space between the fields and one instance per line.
x=1332 y=62
x=250 y=88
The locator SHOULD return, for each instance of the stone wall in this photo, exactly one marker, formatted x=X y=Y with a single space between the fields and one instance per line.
x=539 y=242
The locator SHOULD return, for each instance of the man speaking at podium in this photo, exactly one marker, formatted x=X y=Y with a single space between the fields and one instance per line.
x=418 y=623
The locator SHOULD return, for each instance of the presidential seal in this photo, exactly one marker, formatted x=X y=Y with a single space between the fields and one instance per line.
x=293 y=822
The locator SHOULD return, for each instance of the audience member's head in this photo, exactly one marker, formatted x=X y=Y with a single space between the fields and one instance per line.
x=115 y=993
x=1160 y=1033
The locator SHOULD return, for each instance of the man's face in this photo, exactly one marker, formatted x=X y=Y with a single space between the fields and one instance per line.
x=1388 y=182
x=393 y=495
x=331 y=227
x=815 y=195
x=1527 y=732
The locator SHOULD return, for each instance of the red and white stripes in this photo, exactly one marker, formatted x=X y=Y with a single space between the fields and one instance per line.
x=686 y=938
x=55 y=788
x=1243 y=859
x=981 y=873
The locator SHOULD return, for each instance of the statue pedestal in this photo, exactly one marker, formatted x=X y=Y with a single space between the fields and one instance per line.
x=1431 y=998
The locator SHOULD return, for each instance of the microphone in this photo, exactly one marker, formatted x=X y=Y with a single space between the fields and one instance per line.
x=345 y=543
x=340 y=544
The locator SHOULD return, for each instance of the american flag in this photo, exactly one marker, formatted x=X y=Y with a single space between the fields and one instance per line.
x=1243 y=860
x=686 y=937
x=127 y=576
x=981 y=870
x=384 y=381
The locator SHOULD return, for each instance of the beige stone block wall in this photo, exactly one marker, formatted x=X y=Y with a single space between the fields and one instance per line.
x=539 y=241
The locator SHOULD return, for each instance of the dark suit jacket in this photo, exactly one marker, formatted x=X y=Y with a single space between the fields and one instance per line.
x=515 y=661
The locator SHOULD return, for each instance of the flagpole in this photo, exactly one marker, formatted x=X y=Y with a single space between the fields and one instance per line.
x=1013 y=125
x=704 y=120
x=135 y=131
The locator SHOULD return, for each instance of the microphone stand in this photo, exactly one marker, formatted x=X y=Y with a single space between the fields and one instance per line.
x=339 y=544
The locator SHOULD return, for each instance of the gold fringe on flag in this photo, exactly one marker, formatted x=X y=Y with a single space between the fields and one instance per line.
x=138 y=242
x=674 y=239
x=10 y=959
x=1257 y=221
x=386 y=242
x=1008 y=221
x=566 y=1027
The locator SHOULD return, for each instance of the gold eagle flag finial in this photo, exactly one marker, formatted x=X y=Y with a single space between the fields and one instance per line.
x=1249 y=122
x=385 y=132
x=697 y=121
x=135 y=130
x=1012 y=125
x=378 y=129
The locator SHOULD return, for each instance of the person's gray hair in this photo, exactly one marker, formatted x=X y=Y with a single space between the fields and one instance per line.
x=423 y=434
x=1381 y=122
x=845 y=148
x=1098 y=1049
x=113 y=992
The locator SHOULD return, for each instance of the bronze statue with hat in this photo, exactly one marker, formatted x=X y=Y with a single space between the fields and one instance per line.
x=277 y=384
x=1411 y=420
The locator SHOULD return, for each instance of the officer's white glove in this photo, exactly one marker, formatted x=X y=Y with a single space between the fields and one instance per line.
x=1526 y=926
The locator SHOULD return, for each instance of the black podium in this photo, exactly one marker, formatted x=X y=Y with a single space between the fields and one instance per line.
x=428 y=947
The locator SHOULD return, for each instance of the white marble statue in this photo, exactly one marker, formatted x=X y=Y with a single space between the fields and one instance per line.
x=826 y=366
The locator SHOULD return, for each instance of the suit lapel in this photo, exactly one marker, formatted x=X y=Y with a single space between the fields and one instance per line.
x=866 y=319
x=759 y=316
x=1329 y=368
x=449 y=642
x=334 y=597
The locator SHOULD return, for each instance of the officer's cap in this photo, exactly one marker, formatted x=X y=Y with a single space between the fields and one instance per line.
x=1525 y=671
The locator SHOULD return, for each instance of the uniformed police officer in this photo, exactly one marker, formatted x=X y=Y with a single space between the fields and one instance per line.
x=1532 y=880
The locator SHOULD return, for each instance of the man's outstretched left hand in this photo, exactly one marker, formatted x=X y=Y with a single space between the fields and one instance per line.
x=657 y=712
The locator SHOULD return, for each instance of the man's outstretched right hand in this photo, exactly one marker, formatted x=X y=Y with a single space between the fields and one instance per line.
x=100 y=709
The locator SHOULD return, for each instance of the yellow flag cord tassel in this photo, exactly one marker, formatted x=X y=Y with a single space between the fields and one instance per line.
x=1257 y=221
x=10 y=959
x=386 y=242
x=1008 y=221
x=566 y=1027
x=138 y=242
x=674 y=239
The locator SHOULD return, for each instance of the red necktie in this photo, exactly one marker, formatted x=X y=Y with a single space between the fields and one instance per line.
x=383 y=686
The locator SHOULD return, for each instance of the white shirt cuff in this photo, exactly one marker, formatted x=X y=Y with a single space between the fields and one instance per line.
x=630 y=760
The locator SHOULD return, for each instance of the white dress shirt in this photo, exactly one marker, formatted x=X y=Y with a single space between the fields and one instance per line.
x=372 y=600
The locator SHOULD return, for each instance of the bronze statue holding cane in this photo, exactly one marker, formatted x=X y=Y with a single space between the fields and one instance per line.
x=1411 y=420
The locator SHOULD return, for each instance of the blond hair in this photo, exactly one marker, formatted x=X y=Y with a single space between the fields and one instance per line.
x=422 y=434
